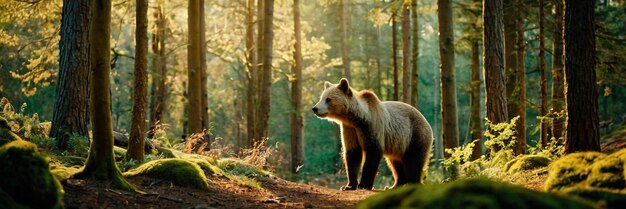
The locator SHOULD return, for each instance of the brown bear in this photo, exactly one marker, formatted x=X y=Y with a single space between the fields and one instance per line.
x=371 y=129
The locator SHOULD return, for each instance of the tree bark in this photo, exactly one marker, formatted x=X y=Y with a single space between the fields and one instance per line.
x=414 y=56
x=203 y=70
x=138 y=123
x=100 y=163
x=406 y=53
x=251 y=64
x=544 y=81
x=345 y=50
x=510 y=56
x=266 y=84
x=558 y=94
x=495 y=90
x=449 y=115
x=297 y=156
x=194 y=73
x=260 y=58
x=520 y=128
x=159 y=69
x=394 y=54
x=580 y=77
x=71 y=109
x=475 y=121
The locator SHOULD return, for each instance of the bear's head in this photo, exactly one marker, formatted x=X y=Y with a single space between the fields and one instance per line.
x=335 y=100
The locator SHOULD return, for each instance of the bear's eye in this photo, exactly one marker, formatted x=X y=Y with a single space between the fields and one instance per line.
x=328 y=100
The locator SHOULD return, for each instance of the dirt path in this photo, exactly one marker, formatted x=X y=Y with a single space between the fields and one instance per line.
x=223 y=193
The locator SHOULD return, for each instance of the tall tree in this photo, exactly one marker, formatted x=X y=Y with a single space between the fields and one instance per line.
x=138 y=123
x=203 y=73
x=394 y=54
x=558 y=95
x=520 y=128
x=100 y=163
x=159 y=68
x=71 y=109
x=510 y=55
x=414 y=55
x=580 y=77
x=475 y=123
x=297 y=154
x=194 y=69
x=251 y=65
x=266 y=73
x=448 y=81
x=495 y=90
x=542 y=70
x=345 y=50
x=406 y=52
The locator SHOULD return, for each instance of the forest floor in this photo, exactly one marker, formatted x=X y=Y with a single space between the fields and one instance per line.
x=222 y=193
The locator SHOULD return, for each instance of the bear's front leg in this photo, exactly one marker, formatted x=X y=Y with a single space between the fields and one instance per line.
x=352 y=155
x=373 y=155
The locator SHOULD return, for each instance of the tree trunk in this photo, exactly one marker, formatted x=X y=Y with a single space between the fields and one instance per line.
x=406 y=53
x=194 y=71
x=100 y=163
x=449 y=115
x=203 y=69
x=297 y=156
x=259 y=79
x=251 y=64
x=510 y=56
x=558 y=95
x=266 y=84
x=394 y=54
x=345 y=50
x=520 y=128
x=475 y=122
x=414 y=56
x=544 y=81
x=495 y=90
x=138 y=123
x=580 y=76
x=71 y=109
x=158 y=64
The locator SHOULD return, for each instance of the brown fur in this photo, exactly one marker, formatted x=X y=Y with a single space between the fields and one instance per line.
x=371 y=129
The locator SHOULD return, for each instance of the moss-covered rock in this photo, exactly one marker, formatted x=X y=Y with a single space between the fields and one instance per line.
x=27 y=178
x=181 y=172
x=6 y=135
x=6 y=201
x=470 y=193
x=605 y=198
x=571 y=170
x=526 y=162
x=607 y=173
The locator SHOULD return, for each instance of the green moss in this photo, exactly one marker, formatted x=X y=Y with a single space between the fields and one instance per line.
x=571 y=170
x=607 y=173
x=6 y=135
x=6 y=201
x=27 y=178
x=604 y=197
x=180 y=172
x=621 y=154
x=242 y=172
x=61 y=172
x=469 y=193
x=526 y=162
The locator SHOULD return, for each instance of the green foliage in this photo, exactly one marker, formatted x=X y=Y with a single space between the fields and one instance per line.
x=587 y=170
x=242 y=172
x=179 y=171
x=27 y=178
x=470 y=193
x=502 y=136
x=78 y=145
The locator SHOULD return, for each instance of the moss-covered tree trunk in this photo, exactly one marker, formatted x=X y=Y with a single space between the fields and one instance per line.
x=138 y=123
x=583 y=131
x=449 y=114
x=71 y=109
x=558 y=95
x=297 y=154
x=544 y=137
x=406 y=52
x=520 y=128
x=414 y=55
x=100 y=163
x=495 y=90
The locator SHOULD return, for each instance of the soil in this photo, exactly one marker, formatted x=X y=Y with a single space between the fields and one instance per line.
x=223 y=193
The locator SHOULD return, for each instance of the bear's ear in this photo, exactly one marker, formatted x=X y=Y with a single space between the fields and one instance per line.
x=327 y=84
x=344 y=86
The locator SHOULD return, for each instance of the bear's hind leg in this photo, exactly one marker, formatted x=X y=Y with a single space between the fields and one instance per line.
x=415 y=159
x=397 y=168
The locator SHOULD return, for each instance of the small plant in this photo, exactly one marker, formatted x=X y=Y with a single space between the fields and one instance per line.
x=78 y=145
